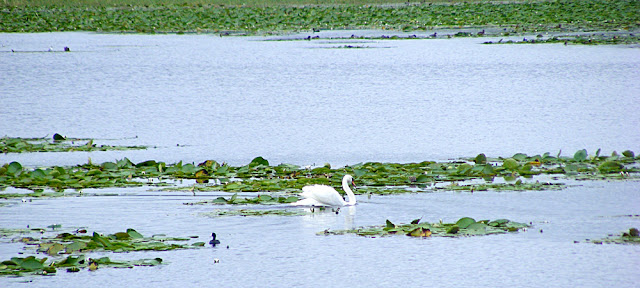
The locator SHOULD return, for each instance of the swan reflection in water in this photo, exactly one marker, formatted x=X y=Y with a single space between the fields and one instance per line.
x=322 y=218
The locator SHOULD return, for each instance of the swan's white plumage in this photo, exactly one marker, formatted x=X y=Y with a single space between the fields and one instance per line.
x=323 y=195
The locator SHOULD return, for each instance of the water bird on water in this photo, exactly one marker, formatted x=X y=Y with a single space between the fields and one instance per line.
x=323 y=195
x=214 y=241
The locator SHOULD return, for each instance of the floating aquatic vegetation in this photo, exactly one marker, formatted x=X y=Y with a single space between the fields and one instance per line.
x=130 y=240
x=253 y=212
x=517 y=171
x=58 y=143
x=22 y=266
x=463 y=227
x=518 y=186
x=582 y=39
x=263 y=199
x=564 y=15
x=6 y=232
x=77 y=244
x=628 y=237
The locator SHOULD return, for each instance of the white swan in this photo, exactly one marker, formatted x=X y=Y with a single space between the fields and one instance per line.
x=323 y=195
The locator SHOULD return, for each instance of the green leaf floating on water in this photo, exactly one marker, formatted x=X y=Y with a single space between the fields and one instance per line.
x=580 y=155
x=510 y=164
x=134 y=234
x=389 y=224
x=109 y=166
x=14 y=168
x=453 y=229
x=30 y=263
x=465 y=222
x=610 y=167
x=71 y=261
x=75 y=246
x=258 y=161
x=481 y=159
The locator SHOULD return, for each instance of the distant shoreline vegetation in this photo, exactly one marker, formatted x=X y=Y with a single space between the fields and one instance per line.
x=270 y=16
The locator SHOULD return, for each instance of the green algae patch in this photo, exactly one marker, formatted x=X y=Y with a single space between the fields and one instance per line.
x=57 y=143
x=464 y=227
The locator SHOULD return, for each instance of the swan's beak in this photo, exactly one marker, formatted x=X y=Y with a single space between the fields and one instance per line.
x=353 y=184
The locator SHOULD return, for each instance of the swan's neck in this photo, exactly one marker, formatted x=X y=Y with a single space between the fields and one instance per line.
x=347 y=189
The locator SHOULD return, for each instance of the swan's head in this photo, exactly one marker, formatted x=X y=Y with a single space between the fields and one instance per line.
x=349 y=180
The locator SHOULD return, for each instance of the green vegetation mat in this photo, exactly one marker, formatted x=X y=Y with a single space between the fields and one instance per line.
x=587 y=39
x=462 y=228
x=632 y=236
x=56 y=144
x=518 y=172
x=162 y=17
x=263 y=199
x=68 y=250
x=252 y=212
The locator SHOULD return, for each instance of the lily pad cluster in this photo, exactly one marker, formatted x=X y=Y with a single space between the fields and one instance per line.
x=262 y=199
x=465 y=226
x=131 y=240
x=371 y=177
x=632 y=236
x=57 y=144
x=21 y=266
x=273 y=17
x=253 y=212
x=75 y=245
x=586 y=39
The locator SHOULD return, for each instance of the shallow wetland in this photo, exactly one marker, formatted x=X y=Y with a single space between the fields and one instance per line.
x=476 y=165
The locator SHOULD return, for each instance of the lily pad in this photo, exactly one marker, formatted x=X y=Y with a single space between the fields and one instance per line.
x=580 y=155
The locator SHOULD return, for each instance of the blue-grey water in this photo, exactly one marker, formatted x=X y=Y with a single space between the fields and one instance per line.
x=198 y=97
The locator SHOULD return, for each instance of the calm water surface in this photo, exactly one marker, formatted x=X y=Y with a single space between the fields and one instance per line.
x=198 y=97
x=305 y=102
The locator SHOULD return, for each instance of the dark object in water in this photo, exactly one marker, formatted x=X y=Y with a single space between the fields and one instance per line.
x=213 y=241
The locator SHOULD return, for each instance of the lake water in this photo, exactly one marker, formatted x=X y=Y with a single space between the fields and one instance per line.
x=198 y=97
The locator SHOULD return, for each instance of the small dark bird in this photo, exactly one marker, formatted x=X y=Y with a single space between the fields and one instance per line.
x=213 y=241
